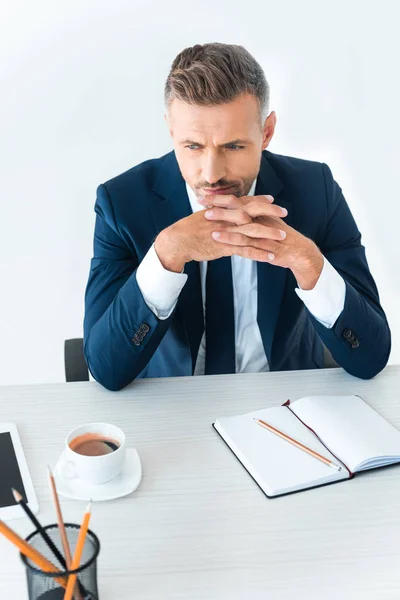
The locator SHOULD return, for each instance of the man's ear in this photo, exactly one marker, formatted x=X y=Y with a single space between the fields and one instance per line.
x=269 y=129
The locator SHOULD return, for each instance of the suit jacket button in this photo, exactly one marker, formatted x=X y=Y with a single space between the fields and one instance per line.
x=348 y=335
x=351 y=338
x=136 y=340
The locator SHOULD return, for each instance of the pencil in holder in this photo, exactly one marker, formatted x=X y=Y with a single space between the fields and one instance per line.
x=51 y=586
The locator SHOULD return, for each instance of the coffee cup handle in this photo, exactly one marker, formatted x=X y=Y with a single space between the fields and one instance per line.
x=68 y=470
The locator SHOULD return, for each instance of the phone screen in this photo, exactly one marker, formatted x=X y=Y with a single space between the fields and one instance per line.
x=10 y=476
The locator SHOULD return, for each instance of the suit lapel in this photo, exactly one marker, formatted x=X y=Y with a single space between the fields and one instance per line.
x=173 y=204
x=171 y=207
x=270 y=278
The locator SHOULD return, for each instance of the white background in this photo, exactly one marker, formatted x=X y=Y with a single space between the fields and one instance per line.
x=81 y=96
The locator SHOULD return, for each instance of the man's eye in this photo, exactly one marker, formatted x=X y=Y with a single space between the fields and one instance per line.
x=235 y=147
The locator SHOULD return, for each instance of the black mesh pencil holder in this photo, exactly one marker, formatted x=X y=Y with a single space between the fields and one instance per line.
x=51 y=586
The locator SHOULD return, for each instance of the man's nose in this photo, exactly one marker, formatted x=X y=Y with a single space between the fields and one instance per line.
x=213 y=169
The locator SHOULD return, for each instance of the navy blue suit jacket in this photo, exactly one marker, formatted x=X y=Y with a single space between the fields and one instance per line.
x=123 y=339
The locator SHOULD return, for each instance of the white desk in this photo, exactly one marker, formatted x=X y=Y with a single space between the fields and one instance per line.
x=198 y=526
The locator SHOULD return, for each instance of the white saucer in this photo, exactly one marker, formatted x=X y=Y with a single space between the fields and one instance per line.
x=122 y=485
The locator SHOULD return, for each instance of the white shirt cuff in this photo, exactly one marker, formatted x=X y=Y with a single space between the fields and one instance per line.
x=326 y=300
x=160 y=288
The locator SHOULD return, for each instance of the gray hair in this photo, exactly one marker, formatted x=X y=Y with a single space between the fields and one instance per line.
x=216 y=73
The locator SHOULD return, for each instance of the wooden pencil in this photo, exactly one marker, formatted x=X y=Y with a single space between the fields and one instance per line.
x=60 y=520
x=299 y=445
x=80 y=591
x=18 y=498
x=33 y=555
x=80 y=544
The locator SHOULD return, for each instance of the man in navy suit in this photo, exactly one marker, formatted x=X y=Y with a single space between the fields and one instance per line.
x=221 y=257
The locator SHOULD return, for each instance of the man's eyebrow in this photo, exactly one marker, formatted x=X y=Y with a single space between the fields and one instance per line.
x=238 y=141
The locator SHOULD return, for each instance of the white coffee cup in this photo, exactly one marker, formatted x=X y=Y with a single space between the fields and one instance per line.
x=94 y=469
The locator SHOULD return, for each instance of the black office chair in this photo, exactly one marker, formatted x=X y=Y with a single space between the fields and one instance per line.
x=329 y=361
x=76 y=367
x=74 y=361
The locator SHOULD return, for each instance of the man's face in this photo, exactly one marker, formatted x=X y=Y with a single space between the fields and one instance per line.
x=219 y=146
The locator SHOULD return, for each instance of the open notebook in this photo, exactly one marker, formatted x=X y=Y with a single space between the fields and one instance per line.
x=345 y=430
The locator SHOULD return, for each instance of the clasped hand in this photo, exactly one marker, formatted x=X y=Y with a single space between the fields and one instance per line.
x=258 y=229
x=251 y=227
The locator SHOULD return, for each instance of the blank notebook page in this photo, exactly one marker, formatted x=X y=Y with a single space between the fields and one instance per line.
x=275 y=464
x=355 y=432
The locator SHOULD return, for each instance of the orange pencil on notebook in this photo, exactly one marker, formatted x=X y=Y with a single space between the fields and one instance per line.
x=299 y=445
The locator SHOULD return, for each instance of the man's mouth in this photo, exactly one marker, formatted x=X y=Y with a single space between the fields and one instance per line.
x=220 y=190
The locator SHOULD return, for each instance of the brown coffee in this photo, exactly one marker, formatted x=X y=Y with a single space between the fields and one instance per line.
x=93 y=444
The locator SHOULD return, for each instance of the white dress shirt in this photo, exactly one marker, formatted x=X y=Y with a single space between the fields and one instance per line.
x=161 y=288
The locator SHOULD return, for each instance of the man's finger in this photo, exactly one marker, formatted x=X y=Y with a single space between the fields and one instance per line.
x=225 y=201
x=235 y=216
x=255 y=230
x=254 y=254
x=239 y=239
x=232 y=202
x=255 y=208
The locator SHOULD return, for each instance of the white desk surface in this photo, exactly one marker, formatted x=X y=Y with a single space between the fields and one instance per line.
x=198 y=526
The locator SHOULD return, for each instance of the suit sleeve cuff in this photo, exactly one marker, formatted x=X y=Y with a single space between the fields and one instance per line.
x=160 y=288
x=326 y=300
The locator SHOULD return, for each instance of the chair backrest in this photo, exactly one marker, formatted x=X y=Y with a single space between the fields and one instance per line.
x=74 y=361
x=329 y=361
